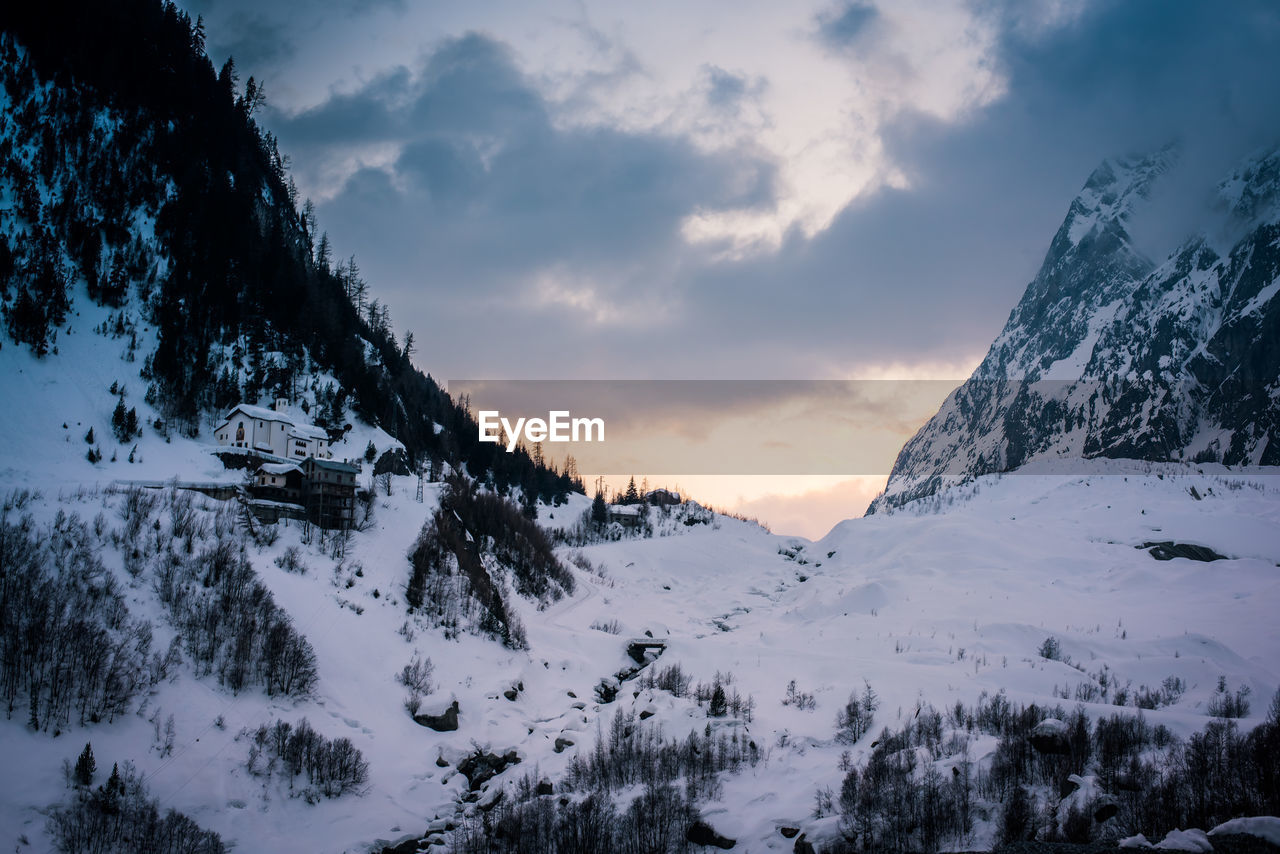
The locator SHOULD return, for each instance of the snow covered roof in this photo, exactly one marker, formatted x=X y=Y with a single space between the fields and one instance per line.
x=263 y=502
x=309 y=431
x=334 y=465
x=662 y=493
x=624 y=509
x=279 y=468
x=260 y=413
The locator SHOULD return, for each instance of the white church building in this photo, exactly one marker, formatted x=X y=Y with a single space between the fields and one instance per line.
x=272 y=431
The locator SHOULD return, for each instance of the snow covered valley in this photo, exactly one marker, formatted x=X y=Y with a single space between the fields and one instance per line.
x=1032 y=589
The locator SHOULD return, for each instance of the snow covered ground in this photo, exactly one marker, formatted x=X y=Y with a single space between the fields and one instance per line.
x=938 y=602
x=933 y=607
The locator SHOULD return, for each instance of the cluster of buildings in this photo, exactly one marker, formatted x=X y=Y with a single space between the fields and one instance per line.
x=296 y=475
x=630 y=515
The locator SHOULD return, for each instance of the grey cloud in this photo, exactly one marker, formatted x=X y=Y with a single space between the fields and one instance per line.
x=842 y=26
x=724 y=89
x=255 y=41
x=485 y=189
x=361 y=7
x=931 y=272
x=264 y=37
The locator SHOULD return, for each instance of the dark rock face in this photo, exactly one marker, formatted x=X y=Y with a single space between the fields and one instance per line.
x=643 y=653
x=1168 y=550
x=447 y=722
x=701 y=833
x=1051 y=745
x=409 y=846
x=481 y=767
x=789 y=832
x=393 y=461
x=1050 y=737
x=562 y=743
x=1109 y=354
x=607 y=690
x=803 y=846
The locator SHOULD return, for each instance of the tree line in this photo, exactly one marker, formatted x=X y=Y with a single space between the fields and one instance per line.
x=331 y=767
x=225 y=618
x=68 y=648
x=470 y=544
x=590 y=814
x=1150 y=781
x=228 y=619
x=120 y=817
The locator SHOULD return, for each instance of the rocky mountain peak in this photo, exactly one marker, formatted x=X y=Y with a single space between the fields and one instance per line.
x=1108 y=354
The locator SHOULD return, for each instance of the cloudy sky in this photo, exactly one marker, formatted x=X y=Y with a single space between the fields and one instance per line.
x=729 y=190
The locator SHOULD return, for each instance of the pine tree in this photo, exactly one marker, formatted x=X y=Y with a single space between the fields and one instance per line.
x=197 y=35
x=119 y=420
x=85 y=766
x=719 y=706
x=109 y=793
x=357 y=287
x=870 y=702
x=599 y=510
x=632 y=495
x=323 y=253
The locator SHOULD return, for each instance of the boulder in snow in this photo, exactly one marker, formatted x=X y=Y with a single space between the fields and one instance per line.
x=1186 y=840
x=1138 y=841
x=1050 y=736
x=1264 y=827
x=701 y=833
x=444 y=722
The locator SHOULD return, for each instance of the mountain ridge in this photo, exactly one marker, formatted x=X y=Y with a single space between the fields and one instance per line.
x=1110 y=354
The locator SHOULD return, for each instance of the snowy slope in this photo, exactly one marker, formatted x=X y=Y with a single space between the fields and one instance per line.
x=51 y=403
x=938 y=602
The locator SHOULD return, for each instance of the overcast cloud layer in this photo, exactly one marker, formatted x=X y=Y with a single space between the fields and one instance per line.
x=731 y=189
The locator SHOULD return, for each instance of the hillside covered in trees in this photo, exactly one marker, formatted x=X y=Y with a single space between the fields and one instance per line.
x=135 y=168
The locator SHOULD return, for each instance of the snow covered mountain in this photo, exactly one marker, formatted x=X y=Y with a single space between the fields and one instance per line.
x=1109 y=354
x=178 y=677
